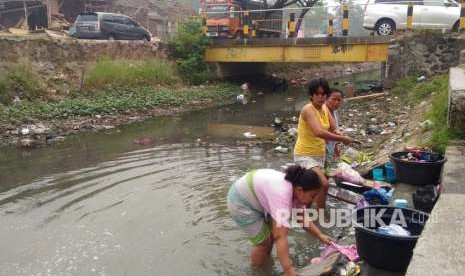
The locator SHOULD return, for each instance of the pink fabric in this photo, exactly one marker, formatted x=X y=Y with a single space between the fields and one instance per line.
x=349 y=251
x=329 y=250
x=275 y=194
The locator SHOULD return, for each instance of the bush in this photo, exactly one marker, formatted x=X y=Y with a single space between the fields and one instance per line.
x=22 y=82
x=187 y=47
x=128 y=73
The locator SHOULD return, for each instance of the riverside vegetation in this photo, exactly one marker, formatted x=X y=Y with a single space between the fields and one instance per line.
x=114 y=86
x=128 y=87
x=436 y=91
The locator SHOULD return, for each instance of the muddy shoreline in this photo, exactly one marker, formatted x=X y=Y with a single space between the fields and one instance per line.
x=37 y=133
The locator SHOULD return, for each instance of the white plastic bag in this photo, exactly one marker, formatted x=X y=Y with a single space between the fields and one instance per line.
x=345 y=173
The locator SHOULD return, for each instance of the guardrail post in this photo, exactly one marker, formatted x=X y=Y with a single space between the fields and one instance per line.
x=291 y=25
x=254 y=28
x=345 y=20
x=410 y=16
x=462 y=16
x=330 y=26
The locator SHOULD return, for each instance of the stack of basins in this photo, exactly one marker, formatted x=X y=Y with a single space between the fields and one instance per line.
x=387 y=251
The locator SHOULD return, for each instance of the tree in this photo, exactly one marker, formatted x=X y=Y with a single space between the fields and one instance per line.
x=316 y=20
x=188 y=45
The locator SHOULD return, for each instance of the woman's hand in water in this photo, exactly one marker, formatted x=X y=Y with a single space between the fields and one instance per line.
x=325 y=238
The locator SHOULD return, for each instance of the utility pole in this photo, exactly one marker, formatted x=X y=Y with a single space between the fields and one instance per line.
x=25 y=14
x=49 y=14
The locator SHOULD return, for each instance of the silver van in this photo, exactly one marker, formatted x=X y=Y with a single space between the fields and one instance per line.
x=112 y=26
x=387 y=16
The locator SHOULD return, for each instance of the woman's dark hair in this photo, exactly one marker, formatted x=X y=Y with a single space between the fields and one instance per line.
x=308 y=180
x=335 y=90
x=316 y=83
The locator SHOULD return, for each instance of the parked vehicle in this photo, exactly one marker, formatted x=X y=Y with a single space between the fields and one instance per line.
x=386 y=16
x=225 y=19
x=99 y=25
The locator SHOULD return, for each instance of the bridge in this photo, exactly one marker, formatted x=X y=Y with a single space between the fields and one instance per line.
x=321 y=49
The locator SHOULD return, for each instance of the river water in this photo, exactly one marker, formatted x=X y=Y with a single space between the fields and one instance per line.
x=99 y=204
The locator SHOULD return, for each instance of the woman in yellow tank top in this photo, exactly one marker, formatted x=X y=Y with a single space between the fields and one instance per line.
x=315 y=127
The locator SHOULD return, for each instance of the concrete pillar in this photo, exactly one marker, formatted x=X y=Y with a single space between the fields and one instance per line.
x=462 y=57
x=53 y=7
x=456 y=113
x=383 y=71
x=349 y=90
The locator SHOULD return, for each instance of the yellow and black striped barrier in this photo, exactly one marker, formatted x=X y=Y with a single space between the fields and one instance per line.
x=410 y=16
x=291 y=25
x=245 y=27
x=462 y=16
x=345 y=20
x=330 y=26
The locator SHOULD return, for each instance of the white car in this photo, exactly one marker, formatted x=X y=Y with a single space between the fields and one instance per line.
x=386 y=16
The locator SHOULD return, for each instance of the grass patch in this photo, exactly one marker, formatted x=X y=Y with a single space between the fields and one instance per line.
x=21 y=81
x=411 y=91
x=113 y=101
x=128 y=73
x=442 y=134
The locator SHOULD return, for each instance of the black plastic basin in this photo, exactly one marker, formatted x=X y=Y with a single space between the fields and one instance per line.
x=359 y=189
x=383 y=251
x=416 y=173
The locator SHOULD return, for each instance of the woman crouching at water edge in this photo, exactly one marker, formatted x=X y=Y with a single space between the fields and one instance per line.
x=315 y=127
x=261 y=203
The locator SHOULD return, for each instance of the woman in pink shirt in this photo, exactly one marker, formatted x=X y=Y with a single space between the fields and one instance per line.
x=261 y=203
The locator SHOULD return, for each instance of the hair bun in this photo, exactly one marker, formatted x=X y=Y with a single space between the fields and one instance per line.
x=294 y=173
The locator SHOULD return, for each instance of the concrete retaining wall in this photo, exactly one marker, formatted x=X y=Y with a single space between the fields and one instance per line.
x=46 y=49
x=422 y=54
x=456 y=114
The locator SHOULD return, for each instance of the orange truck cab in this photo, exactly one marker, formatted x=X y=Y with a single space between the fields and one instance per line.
x=225 y=18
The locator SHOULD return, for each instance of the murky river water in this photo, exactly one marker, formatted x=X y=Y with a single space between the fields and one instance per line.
x=101 y=205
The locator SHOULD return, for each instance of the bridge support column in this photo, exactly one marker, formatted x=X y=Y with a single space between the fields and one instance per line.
x=384 y=72
x=234 y=69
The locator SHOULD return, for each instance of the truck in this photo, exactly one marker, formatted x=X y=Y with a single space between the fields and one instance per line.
x=226 y=18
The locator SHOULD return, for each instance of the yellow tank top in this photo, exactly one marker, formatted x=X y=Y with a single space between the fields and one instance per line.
x=307 y=143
